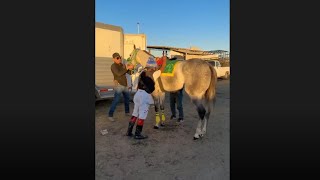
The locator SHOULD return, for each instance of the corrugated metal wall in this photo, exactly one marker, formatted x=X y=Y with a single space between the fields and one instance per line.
x=104 y=75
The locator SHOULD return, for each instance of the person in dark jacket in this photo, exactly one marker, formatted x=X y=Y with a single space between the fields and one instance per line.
x=176 y=98
x=120 y=84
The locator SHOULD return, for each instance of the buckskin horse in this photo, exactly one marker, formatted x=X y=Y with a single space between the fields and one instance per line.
x=198 y=78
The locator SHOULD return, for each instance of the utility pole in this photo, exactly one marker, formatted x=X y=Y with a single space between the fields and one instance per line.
x=138 y=27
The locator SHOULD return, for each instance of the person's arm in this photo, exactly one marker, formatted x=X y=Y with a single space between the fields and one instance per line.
x=156 y=75
x=164 y=59
x=120 y=71
x=130 y=72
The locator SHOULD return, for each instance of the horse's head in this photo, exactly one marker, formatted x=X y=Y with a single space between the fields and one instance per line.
x=138 y=56
x=139 y=59
x=133 y=57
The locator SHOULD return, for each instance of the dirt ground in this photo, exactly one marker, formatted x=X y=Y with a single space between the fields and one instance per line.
x=170 y=153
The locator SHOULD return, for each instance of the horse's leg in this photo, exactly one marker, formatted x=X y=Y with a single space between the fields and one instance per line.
x=198 y=130
x=156 y=107
x=206 y=117
x=205 y=122
x=201 y=112
x=161 y=100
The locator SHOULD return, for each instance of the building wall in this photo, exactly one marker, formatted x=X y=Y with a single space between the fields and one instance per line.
x=140 y=40
x=188 y=56
x=214 y=56
x=108 y=40
x=176 y=54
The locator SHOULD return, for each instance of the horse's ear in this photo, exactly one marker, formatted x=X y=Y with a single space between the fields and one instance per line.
x=134 y=46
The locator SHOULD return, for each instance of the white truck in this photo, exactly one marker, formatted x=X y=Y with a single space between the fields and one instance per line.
x=222 y=72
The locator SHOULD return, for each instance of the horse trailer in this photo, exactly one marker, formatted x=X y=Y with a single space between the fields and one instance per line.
x=108 y=40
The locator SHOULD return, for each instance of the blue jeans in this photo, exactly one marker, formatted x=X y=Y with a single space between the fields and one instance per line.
x=118 y=91
x=176 y=98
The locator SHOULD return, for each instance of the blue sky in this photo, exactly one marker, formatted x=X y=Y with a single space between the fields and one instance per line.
x=178 y=23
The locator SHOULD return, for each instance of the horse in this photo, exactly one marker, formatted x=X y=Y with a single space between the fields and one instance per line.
x=199 y=80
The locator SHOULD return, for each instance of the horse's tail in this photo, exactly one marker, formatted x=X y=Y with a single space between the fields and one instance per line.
x=211 y=91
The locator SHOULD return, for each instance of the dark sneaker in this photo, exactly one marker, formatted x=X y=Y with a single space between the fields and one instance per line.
x=180 y=120
x=173 y=117
x=129 y=134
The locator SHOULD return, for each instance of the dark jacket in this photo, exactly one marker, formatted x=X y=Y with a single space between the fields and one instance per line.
x=119 y=73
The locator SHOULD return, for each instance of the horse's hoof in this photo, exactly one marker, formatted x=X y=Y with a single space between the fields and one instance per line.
x=155 y=127
x=196 y=136
x=201 y=135
x=162 y=124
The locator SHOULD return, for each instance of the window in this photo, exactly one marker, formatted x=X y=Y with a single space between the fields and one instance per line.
x=212 y=63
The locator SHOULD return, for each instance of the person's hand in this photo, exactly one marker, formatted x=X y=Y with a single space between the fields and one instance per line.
x=140 y=69
x=130 y=66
